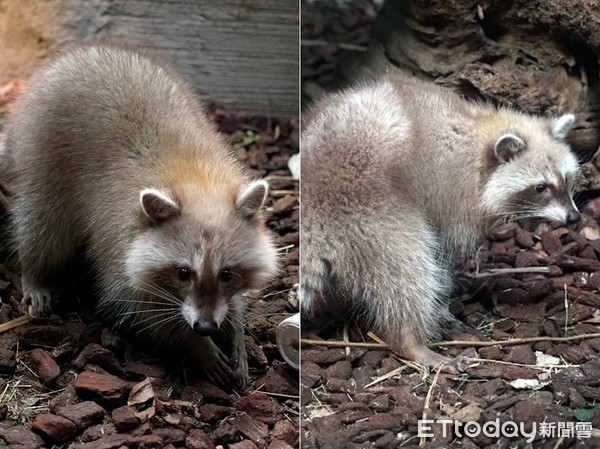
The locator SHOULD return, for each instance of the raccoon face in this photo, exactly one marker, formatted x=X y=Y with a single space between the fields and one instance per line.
x=535 y=174
x=193 y=271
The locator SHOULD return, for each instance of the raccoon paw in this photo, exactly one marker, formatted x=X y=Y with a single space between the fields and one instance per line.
x=239 y=363
x=39 y=301
x=214 y=364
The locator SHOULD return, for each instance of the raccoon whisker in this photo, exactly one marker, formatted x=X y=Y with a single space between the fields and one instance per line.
x=158 y=324
x=151 y=317
x=160 y=292
x=162 y=295
x=161 y=300
x=133 y=301
x=134 y=312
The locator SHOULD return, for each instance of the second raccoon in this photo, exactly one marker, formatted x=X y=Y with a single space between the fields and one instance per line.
x=399 y=178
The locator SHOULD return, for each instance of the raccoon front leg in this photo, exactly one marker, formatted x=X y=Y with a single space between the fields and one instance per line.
x=239 y=358
x=45 y=246
x=235 y=329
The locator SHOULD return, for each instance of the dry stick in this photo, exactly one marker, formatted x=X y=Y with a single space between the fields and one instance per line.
x=511 y=342
x=14 y=323
x=346 y=338
x=503 y=271
x=428 y=400
x=399 y=356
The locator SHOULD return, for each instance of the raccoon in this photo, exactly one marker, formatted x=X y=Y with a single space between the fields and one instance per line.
x=400 y=177
x=112 y=153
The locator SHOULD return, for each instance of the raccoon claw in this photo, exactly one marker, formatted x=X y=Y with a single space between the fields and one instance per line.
x=39 y=301
x=239 y=363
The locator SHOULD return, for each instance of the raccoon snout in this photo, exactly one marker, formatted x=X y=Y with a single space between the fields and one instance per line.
x=205 y=327
x=573 y=217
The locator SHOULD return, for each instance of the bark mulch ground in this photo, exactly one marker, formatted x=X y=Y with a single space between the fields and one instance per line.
x=540 y=285
x=74 y=381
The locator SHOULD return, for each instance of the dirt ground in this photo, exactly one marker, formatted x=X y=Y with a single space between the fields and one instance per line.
x=74 y=381
x=537 y=289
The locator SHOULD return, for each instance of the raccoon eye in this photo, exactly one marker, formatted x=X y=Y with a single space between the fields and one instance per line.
x=184 y=274
x=225 y=275
x=540 y=188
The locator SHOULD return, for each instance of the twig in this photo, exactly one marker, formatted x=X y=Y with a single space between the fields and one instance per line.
x=342 y=344
x=566 y=308
x=259 y=390
x=283 y=192
x=346 y=338
x=428 y=399
x=503 y=271
x=14 y=323
x=502 y=362
x=416 y=366
x=387 y=376
x=514 y=341
x=478 y=344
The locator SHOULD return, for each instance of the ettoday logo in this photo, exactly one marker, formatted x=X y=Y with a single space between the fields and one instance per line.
x=508 y=429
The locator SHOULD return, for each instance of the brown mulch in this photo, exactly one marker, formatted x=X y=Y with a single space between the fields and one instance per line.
x=361 y=397
x=75 y=379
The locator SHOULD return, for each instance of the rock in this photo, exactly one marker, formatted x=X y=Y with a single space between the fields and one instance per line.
x=252 y=430
x=245 y=444
x=212 y=412
x=590 y=233
x=573 y=263
x=197 y=439
x=285 y=203
x=66 y=397
x=21 y=435
x=351 y=412
x=54 y=428
x=551 y=242
x=44 y=366
x=323 y=356
x=278 y=381
x=169 y=435
x=139 y=371
x=261 y=407
x=103 y=386
x=339 y=370
x=8 y=362
x=226 y=433
x=285 y=430
x=40 y=335
x=118 y=441
x=125 y=418
x=521 y=354
x=97 y=355
x=98 y=431
x=313 y=373
x=278 y=444
x=503 y=232
x=490 y=352
x=213 y=394
x=527 y=413
x=83 y=414
x=524 y=238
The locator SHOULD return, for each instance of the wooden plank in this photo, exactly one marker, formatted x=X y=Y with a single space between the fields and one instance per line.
x=242 y=53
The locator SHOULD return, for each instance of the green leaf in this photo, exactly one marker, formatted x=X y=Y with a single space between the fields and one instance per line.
x=586 y=414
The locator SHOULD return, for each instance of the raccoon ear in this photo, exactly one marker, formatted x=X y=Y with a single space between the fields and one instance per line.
x=562 y=125
x=508 y=146
x=251 y=198
x=158 y=205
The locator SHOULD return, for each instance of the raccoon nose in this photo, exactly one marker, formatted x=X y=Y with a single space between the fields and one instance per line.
x=205 y=327
x=573 y=217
